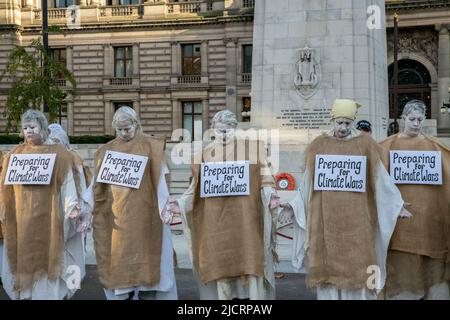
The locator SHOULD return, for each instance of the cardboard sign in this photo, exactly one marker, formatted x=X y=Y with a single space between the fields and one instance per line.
x=340 y=173
x=122 y=169
x=219 y=179
x=34 y=169
x=416 y=167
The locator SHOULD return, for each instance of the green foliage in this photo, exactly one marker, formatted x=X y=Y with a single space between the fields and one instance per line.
x=90 y=139
x=16 y=139
x=10 y=139
x=31 y=85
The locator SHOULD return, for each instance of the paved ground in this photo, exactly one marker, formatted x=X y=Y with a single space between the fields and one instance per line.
x=291 y=287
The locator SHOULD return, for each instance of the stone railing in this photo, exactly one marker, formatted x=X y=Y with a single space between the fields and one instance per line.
x=189 y=79
x=246 y=77
x=150 y=9
x=56 y=13
x=416 y=4
x=248 y=3
x=61 y=82
x=120 y=81
x=190 y=7
x=125 y=11
x=118 y=11
x=186 y=7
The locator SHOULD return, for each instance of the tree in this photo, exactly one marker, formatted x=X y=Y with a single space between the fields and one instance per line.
x=33 y=85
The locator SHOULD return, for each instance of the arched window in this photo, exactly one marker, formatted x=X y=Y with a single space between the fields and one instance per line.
x=413 y=83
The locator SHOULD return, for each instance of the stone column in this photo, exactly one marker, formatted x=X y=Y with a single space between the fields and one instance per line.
x=69 y=59
x=108 y=61
x=205 y=115
x=83 y=3
x=137 y=107
x=136 y=60
x=443 y=74
x=176 y=115
x=204 y=58
x=231 y=74
x=70 y=117
x=109 y=110
x=174 y=62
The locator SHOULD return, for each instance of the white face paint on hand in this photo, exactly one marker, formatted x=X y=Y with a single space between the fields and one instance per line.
x=126 y=130
x=224 y=133
x=342 y=127
x=32 y=132
x=413 y=123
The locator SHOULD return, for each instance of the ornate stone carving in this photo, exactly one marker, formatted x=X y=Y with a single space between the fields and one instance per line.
x=308 y=72
x=423 y=41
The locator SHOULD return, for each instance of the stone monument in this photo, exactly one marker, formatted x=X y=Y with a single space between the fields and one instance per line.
x=306 y=53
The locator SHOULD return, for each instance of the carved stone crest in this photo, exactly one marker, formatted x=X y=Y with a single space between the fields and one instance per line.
x=308 y=73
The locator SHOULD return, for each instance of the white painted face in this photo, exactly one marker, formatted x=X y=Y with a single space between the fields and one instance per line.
x=224 y=132
x=32 y=132
x=413 y=123
x=126 y=130
x=342 y=127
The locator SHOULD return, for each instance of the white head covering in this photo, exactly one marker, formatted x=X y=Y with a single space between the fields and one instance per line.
x=58 y=135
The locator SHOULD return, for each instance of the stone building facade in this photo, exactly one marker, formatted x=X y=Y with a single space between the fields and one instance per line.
x=178 y=62
x=175 y=63
x=424 y=55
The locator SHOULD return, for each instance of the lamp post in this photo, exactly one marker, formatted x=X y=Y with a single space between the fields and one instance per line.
x=395 y=75
x=44 y=42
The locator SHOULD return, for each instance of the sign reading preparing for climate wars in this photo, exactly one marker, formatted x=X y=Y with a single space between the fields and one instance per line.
x=231 y=178
x=122 y=169
x=30 y=169
x=416 y=167
x=340 y=173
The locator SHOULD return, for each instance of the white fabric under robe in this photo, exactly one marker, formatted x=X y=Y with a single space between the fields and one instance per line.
x=45 y=289
x=256 y=288
x=166 y=289
x=389 y=204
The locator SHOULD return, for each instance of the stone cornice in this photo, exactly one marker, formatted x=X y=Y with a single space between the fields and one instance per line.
x=11 y=27
x=417 y=5
x=146 y=25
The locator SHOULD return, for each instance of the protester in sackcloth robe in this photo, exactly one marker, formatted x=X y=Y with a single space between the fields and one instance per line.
x=341 y=238
x=83 y=182
x=418 y=262
x=131 y=230
x=231 y=239
x=38 y=256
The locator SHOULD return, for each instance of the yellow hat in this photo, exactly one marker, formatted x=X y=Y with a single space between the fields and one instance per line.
x=344 y=108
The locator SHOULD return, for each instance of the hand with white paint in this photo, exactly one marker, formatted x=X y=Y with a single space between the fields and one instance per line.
x=405 y=213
